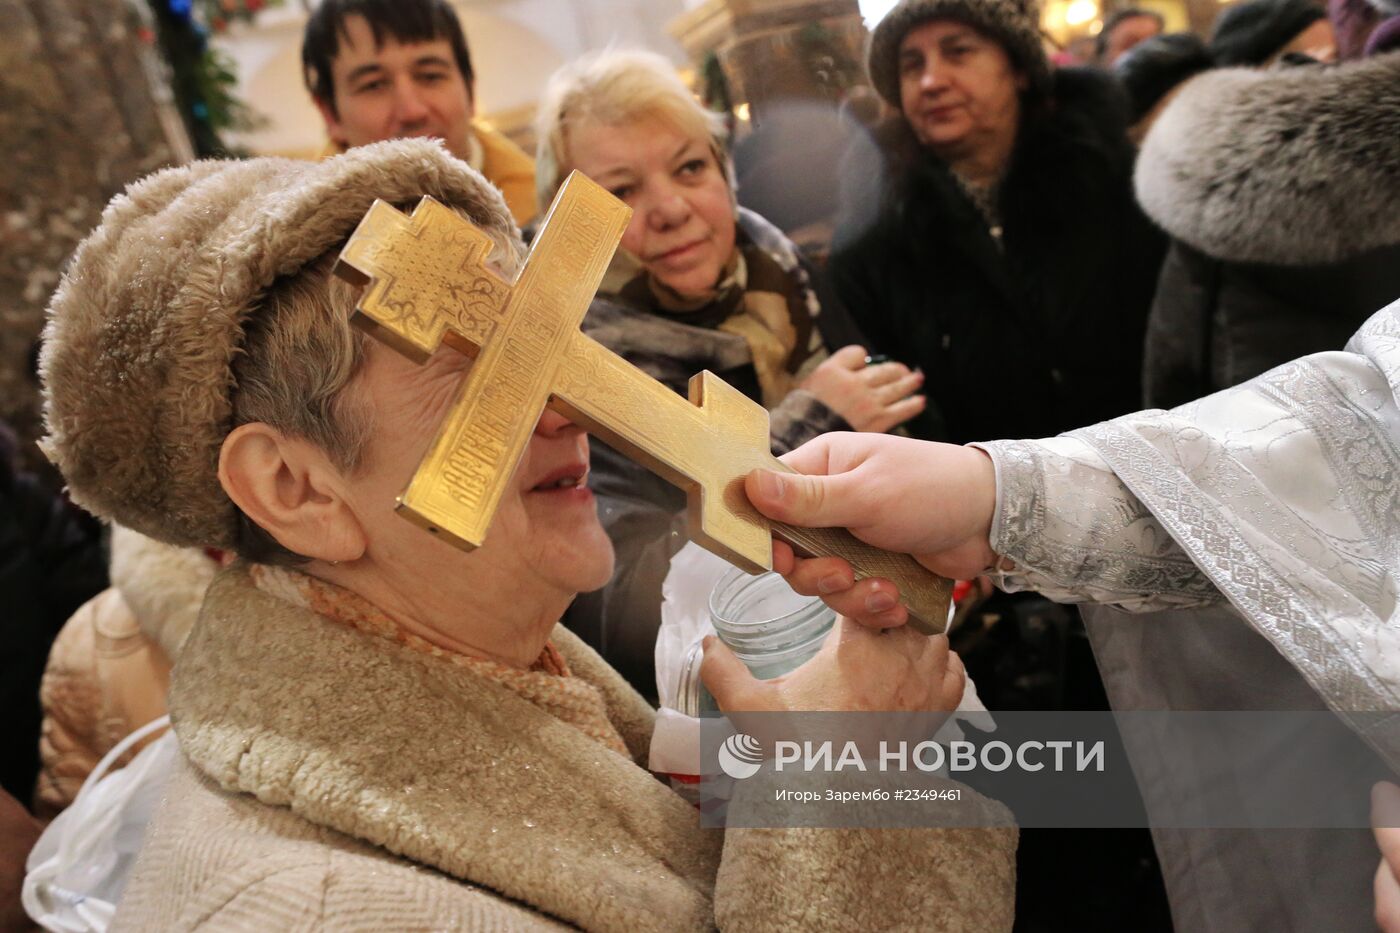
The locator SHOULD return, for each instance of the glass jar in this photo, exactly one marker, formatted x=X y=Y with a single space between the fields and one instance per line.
x=769 y=627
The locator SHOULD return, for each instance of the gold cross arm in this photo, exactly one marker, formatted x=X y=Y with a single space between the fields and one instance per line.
x=429 y=283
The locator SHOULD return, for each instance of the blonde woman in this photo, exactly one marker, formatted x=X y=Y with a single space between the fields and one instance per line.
x=699 y=283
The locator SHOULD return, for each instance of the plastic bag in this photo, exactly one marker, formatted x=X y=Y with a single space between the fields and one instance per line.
x=78 y=869
x=685 y=621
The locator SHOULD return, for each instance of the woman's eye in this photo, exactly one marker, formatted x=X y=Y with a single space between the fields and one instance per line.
x=623 y=192
x=693 y=167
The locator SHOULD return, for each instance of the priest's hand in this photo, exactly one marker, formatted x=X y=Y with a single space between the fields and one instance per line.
x=933 y=501
x=858 y=669
x=870 y=396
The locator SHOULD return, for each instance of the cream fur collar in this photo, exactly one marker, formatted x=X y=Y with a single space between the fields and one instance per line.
x=437 y=765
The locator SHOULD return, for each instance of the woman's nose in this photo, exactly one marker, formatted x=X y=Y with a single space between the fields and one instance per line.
x=670 y=209
x=553 y=424
x=934 y=77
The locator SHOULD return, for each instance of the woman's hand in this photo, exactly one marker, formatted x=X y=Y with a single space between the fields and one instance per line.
x=1385 y=822
x=858 y=669
x=871 y=398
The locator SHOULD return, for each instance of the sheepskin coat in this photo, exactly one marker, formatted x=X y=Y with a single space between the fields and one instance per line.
x=1038 y=334
x=109 y=669
x=1281 y=190
x=333 y=779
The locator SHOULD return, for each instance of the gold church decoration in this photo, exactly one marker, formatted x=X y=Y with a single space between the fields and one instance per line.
x=429 y=283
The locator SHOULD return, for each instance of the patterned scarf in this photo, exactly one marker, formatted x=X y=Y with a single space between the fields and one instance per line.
x=548 y=683
x=763 y=296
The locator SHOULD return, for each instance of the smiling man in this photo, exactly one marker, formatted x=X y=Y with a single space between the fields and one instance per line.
x=391 y=69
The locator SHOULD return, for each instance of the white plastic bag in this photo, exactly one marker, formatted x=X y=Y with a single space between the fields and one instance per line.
x=78 y=869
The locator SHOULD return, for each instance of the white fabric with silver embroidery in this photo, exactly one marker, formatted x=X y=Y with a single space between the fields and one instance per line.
x=1282 y=494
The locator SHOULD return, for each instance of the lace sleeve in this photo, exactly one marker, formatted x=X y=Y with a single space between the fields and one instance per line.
x=1076 y=534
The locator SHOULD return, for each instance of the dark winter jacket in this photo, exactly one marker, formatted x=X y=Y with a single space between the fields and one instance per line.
x=1282 y=191
x=1026 y=341
x=52 y=560
x=643 y=514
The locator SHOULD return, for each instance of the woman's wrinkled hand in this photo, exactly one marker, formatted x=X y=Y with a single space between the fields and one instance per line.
x=872 y=398
x=858 y=669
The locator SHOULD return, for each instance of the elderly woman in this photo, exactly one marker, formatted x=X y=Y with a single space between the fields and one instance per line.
x=698 y=283
x=990 y=235
x=378 y=730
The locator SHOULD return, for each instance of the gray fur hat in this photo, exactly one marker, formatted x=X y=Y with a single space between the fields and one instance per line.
x=1013 y=23
x=144 y=328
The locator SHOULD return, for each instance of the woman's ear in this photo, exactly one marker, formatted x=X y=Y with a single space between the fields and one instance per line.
x=290 y=489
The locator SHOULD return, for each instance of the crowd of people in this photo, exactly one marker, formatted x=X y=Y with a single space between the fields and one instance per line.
x=377 y=730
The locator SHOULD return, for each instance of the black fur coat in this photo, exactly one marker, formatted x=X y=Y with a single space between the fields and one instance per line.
x=1026 y=341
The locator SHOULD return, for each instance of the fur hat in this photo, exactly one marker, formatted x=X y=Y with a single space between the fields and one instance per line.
x=1250 y=33
x=1152 y=68
x=1013 y=23
x=144 y=328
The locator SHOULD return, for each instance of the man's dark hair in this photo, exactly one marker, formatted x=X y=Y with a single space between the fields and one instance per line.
x=1118 y=17
x=401 y=20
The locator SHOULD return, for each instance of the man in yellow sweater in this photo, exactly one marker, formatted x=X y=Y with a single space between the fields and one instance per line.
x=388 y=69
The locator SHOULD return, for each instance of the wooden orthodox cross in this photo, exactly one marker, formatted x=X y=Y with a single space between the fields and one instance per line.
x=429 y=283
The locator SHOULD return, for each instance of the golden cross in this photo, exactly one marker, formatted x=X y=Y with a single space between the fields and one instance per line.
x=428 y=283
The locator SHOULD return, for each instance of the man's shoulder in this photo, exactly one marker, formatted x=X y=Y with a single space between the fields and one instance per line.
x=509 y=168
x=500 y=155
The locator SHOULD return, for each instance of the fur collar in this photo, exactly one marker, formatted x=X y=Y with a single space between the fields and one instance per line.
x=428 y=761
x=1298 y=166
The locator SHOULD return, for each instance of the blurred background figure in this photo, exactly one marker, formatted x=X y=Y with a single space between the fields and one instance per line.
x=391 y=69
x=989 y=236
x=786 y=168
x=109 y=669
x=991 y=228
x=1365 y=27
x=1154 y=70
x=52 y=559
x=698 y=283
x=1279 y=190
x=1123 y=30
x=1260 y=32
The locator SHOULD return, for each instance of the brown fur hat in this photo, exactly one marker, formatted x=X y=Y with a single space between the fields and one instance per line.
x=145 y=326
x=1013 y=23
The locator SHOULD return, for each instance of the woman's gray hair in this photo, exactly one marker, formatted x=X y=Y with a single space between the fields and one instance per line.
x=296 y=370
x=614 y=87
